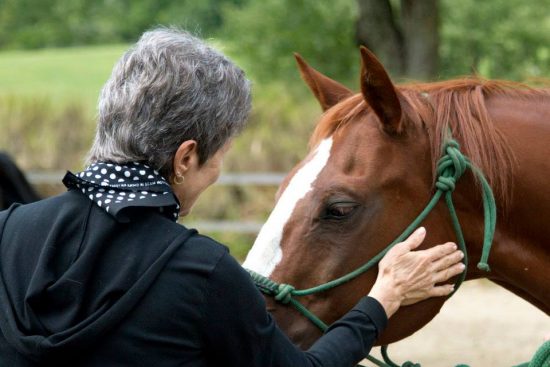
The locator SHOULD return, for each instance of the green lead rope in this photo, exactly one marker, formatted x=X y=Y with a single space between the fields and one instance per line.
x=541 y=357
x=450 y=167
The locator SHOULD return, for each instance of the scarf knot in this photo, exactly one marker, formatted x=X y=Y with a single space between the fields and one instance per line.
x=117 y=187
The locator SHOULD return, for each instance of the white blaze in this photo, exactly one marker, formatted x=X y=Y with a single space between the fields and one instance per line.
x=266 y=252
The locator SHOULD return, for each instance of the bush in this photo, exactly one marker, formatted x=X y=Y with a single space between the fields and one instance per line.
x=40 y=136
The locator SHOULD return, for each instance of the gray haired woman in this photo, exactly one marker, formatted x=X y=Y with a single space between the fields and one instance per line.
x=102 y=275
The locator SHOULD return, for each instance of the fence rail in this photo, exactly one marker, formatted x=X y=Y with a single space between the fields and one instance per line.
x=226 y=179
x=250 y=227
x=229 y=179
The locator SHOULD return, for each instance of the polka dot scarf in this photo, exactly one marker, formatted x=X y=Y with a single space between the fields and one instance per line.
x=116 y=187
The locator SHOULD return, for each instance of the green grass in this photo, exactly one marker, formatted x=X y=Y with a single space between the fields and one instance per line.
x=48 y=102
x=63 y=75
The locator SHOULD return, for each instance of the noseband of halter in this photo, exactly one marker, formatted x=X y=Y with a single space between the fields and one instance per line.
x=450 y=167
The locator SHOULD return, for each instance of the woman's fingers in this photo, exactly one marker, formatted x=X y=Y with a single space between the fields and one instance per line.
x=407 y=276
x=412 y=242
x=442 y=290
x=448 y=260
x=448 y=273
x=433 y=291
x=401 y=248
x=437 y=252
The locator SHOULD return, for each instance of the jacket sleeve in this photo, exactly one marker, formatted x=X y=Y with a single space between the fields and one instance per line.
x=238 y=330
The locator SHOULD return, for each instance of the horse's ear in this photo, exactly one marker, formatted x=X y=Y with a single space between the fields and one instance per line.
x=379 y=92
x=327 y=91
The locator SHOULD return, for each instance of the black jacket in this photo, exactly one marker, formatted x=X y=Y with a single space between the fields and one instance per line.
x=78 y=288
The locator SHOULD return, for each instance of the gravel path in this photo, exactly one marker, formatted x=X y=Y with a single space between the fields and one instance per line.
x=482 y=325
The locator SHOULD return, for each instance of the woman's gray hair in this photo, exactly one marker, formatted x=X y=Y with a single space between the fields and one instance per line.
x=169 y=88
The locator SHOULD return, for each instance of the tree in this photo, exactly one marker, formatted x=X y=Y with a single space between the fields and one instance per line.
x=404 y=35
x=263 y=35
x=507 y=39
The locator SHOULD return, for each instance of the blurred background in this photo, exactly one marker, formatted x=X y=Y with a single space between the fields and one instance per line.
x=56 y=54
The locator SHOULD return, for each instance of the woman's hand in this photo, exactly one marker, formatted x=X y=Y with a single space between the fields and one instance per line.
x=406 y=277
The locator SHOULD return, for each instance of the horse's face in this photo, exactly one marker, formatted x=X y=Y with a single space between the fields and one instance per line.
x=356 y=191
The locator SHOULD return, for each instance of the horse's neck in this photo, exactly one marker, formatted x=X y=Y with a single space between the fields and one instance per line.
x=520 y=256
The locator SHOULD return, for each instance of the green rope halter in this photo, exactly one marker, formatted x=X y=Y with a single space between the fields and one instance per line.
x=450 y=167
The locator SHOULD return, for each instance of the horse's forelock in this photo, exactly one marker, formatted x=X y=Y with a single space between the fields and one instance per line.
x=337 y=116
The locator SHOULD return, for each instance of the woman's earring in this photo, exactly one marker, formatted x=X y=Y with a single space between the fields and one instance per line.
x=178 y=180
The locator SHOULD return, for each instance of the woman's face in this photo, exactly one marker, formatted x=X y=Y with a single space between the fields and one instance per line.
x=197 y=178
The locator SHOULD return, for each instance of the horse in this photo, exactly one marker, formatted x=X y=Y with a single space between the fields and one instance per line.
x=371 y=169
x=14 y=187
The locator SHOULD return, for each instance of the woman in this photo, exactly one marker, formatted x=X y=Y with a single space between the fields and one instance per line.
x=102 y=275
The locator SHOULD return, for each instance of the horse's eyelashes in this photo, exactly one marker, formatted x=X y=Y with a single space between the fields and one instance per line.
x=339 y=210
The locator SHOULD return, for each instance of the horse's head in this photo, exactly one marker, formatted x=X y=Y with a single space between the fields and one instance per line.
x=367 y=176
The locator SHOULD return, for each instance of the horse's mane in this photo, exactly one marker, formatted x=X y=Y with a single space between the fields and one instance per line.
x=455 y=104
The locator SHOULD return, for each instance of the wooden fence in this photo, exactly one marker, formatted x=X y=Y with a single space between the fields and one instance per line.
x=226 y=179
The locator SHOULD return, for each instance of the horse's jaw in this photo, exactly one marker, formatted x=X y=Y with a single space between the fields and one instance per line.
x=299 y=329
x=409 y=319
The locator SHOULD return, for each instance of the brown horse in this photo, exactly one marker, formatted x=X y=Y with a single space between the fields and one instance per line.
x=14 y=187
x=370 y=171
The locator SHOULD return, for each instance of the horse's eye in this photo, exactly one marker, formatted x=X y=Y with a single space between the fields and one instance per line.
x=339 y=210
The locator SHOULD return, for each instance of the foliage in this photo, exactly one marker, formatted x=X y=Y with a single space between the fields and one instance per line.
x=41 y=135
x=269 y=31
x=507 y=39
x=278 y=130
x=496 y=38
x=54 y=23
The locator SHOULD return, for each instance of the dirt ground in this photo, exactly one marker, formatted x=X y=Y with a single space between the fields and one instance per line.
x=482 y=325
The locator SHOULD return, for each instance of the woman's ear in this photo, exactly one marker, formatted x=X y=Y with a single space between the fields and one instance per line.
x=186 y=157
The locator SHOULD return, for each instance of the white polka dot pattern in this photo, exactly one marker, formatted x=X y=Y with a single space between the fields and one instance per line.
x=118 y=187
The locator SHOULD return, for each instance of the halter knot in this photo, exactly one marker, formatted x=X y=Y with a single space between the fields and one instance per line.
x=284 y=293
x=451 y=166
x=445 y=183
